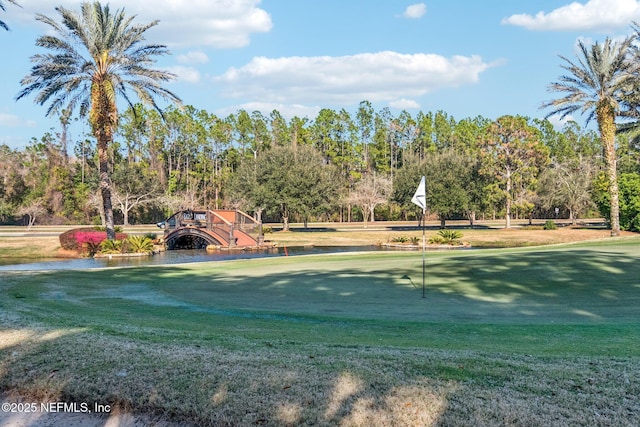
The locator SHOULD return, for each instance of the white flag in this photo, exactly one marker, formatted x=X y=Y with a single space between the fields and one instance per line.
x=420 y=198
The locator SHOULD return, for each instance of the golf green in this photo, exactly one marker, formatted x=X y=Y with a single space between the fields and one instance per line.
x=577 y=299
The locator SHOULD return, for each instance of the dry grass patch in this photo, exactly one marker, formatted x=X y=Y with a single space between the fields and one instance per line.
x=324 y=385
x=30 y=247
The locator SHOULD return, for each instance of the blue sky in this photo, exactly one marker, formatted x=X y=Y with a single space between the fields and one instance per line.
x=467 y=58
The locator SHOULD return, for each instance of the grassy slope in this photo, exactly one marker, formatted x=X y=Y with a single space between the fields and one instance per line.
x=524 y=337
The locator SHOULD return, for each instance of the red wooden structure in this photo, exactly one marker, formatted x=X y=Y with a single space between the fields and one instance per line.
x=198 y=229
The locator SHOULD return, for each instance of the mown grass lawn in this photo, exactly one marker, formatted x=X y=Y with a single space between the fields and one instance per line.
x=532 y=336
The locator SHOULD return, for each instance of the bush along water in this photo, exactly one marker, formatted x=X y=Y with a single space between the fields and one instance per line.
x=129 y=245
x=91 y=241
x=447 y=237
x=444 y=237
x=86 y=241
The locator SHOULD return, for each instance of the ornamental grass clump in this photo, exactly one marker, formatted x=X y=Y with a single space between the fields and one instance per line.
x=129 y=245
x=111 y=246
x=139 y=244
x=447 y=237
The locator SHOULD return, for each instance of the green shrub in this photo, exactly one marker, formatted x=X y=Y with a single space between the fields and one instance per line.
x=400 y=239
x=629 y=193
x=139 y=244
x=549 y=225
x=436 y=240
x=449 y=237
x=629 y=201
x=111 y=246
x=415 y=240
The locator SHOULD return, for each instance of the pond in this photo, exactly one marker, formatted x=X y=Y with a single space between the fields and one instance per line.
x=175 y=257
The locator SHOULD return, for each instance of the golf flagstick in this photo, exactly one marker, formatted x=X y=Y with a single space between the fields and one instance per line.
x=420 y=199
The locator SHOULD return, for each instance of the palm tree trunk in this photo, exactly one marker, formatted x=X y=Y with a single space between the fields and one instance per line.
x=103 y=137
x=105 y=188
x=103 y=118
x=606 y=123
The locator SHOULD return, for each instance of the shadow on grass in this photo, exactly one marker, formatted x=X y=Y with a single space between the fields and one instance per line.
x=375 y=226
x=598 y=284
x=565 y=286
x=434 y=227
x=549 y=300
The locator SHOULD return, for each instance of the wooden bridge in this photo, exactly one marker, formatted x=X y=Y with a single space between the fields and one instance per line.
x=198 y=229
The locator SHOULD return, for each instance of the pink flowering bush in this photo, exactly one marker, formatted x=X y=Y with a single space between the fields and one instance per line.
x=90 y=237
x=85 y=240
x=89 y=241
x=68 y=238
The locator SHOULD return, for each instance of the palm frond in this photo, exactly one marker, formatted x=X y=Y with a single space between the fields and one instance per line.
x=97 y=46
x=601 y=73
x=2 y=24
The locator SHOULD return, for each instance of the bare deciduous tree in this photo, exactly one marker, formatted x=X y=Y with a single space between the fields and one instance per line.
x=567 y=184
x=369 y=193
x=32 y=210
x=127 y=201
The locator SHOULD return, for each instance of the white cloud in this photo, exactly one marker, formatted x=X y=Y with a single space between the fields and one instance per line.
x=185 y=74
x=415 y=11
x=559 y=123
x=382 y=76
x=193 y=58
x=213 y=23
x=593 y=15
x=404 y=104
x=11 y=120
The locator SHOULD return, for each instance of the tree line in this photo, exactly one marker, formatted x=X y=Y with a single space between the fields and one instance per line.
x=336 y=167
x=146 y=162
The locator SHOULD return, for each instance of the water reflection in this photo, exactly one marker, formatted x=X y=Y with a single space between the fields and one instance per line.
x=175 y=257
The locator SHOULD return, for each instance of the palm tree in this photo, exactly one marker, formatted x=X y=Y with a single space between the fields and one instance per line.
x=2 y=24
x=112 y=62
x=596 y=85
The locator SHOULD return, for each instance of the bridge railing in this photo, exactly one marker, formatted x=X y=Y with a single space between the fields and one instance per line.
x=225 y=234
x=220 y=222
